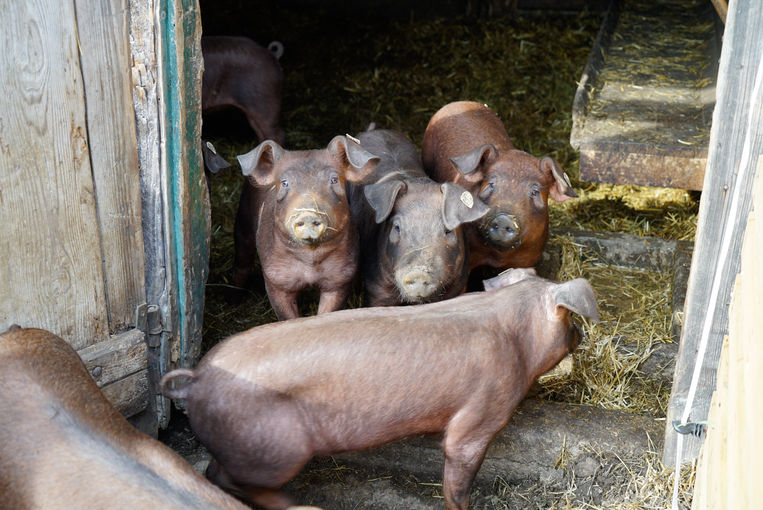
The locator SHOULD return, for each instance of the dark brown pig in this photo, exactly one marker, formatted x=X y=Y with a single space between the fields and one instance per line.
x=466 y=143
x=239 y=72
x=266 y=400
x=413 y=247
x=63 y=445
x=294 y=213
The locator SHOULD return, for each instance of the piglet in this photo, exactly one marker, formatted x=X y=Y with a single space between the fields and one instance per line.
x=294 y=212
x=63 y=445
x=466 y=143
x=413 y=248
x=240 y=73
x=266 y=400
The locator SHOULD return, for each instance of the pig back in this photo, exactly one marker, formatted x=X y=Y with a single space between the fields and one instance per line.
x=456 y=129
x=63 y=445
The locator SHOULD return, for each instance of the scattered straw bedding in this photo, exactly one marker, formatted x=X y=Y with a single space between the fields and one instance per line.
x=397 y=74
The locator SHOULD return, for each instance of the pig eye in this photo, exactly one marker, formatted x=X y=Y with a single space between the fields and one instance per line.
x=284 y=183
x=394 y=233
x=334 y=178
x=535 y=191
x=487 y=191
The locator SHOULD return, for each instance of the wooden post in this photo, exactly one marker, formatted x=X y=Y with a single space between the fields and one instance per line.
x=736 y=142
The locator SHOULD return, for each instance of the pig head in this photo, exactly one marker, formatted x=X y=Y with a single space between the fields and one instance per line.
x=240 y=73
x=266 y=400
x=466 y=143
x=294 y=212
x=63 y=445
x=413 y=247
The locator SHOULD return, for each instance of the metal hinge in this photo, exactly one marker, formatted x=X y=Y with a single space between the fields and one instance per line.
x=148 y=319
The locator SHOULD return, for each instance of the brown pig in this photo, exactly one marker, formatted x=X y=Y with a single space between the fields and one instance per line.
x=266 y=400
x=239 y=72
x=63 y=445
x=294 y=213
x=466 y=143
x=413 y=247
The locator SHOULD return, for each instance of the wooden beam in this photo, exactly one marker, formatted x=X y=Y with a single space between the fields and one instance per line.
x=736 y=144
x=50 y=255
x=104 y=41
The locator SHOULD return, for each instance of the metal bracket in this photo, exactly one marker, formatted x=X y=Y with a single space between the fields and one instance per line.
x=148 y=319
x=696 y=429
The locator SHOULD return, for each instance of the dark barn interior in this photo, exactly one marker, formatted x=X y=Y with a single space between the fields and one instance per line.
x=395 y=63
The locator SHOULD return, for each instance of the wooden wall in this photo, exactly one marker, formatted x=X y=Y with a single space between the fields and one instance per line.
x=736 y=143
x=71 y=260
x=731 y=462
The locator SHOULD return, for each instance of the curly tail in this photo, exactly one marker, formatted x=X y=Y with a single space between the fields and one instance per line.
x=276 y=48
x=176 y=391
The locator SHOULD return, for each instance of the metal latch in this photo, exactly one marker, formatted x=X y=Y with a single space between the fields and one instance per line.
x=148 y=319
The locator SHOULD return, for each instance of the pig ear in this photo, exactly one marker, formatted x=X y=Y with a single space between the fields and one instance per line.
x=259 y=162
x=509 y=277
x=381 y=197
x=561 y=190
x=459 y=206
x=469 y=164
x=213 y=161
x=577 y=296
x=355 y=158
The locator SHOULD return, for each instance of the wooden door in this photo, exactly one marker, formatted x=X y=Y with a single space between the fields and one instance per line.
x=72 y=257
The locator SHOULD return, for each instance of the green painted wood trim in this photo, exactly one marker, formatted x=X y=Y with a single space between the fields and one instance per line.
x=189 y=212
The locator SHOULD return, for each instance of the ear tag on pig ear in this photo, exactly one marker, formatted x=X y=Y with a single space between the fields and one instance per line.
x=467 y=199
x=353 y=138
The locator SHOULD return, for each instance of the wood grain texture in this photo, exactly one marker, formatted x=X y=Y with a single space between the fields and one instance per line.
x=116 y=358
x=731 y=459
x=736 y=144
x=50 y=260
x=104 y=42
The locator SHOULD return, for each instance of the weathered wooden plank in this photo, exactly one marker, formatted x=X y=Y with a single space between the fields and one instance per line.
x=105 y=60
x=129 y=395
x=160 y=276
x=116 y=358
x=50 y=259
x=732 y=456
x=736 y=144
x=622 y=163
x=641 y=113
x=189 y=202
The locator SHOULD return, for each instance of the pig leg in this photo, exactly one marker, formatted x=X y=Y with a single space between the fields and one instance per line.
x=465 y=443
x=332 y=300
x=244 y=244
x=266 y=498
x=284 y=302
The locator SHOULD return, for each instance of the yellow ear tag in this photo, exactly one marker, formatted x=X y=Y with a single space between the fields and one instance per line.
x=467 y=199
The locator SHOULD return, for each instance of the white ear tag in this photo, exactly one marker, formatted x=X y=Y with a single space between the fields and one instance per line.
x=467 y=199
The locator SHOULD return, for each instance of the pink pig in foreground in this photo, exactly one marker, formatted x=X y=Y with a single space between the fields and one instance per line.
x=466 y=143
x=63 y=445
x=266 y=400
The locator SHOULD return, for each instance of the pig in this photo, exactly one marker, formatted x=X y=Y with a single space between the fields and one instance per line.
x=466 y=143
x=239 y=72
x=63 y=445
x=266 y=400
x=413 y=247
x=294 y=213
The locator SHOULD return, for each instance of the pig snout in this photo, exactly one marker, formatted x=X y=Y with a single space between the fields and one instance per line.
x=416 y=283
x=502 y=230
x=309 y=226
